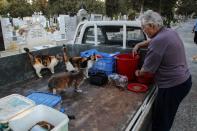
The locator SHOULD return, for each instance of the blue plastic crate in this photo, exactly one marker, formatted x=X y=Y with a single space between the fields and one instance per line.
x=94 y=71
x=106 y=64
x=47 y=99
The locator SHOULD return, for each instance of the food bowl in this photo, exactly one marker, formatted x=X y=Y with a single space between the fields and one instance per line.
x=137 y=87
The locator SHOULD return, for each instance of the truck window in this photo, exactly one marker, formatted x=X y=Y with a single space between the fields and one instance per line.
x=134 y=35
x=88 y=37
x=113 y=35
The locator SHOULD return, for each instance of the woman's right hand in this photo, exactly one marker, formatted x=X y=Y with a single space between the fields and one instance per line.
x=139 y=45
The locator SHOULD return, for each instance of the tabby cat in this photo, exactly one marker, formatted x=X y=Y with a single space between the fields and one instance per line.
x=62 y=81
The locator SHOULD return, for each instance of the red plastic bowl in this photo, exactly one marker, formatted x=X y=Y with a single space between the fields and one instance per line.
x=137 y=87
x=147 y=78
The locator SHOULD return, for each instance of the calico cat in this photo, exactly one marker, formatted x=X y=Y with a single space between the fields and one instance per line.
x=62 y=81
x=40 y=62
x=75 y=63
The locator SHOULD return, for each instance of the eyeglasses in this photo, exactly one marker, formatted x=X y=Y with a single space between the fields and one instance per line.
x=144 y=26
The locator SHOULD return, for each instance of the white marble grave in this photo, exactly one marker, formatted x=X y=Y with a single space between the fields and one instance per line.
x=70 y=27
x=7 y=31
x=96 y=17
x=37 y=35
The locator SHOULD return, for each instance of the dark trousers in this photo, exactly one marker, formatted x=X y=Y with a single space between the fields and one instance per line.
x=195 y=37
x=166 y=104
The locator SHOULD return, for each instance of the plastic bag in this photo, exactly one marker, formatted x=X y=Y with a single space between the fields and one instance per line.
x=118 y=80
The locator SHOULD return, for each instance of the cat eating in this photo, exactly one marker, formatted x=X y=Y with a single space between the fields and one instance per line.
x=40 y=62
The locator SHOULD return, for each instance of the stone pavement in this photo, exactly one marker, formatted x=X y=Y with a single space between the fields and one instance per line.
x=186 y=117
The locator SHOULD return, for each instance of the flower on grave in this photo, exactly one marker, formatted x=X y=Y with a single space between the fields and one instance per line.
x=22 y=31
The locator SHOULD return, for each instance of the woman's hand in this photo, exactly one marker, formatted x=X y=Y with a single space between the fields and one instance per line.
x=135 y=49
x=139 y=45
x=140 y=72
x=137 y=73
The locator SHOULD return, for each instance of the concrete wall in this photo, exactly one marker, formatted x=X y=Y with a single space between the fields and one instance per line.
x=17 y=68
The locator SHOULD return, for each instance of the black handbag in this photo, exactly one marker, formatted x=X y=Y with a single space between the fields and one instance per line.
x=98 y=78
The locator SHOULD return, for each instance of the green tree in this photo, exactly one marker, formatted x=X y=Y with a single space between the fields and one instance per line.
x=164 y=7
x=63 y=7
x=3 y=7
x=167 y=11
x=72 y=6
x=19 y=8
x=40 y=5
x=112 y=7
x=93 y=6
x=186 y=7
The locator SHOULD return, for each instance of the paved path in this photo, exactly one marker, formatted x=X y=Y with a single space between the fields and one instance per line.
x=186 y=117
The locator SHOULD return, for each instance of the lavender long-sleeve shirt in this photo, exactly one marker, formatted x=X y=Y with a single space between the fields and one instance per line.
x=166 y=58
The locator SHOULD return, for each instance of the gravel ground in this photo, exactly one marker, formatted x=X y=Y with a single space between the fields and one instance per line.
x=186 y=117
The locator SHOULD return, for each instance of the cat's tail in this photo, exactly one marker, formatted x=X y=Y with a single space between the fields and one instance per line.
x=27 y=50
x=65 y=56
x=31 y=57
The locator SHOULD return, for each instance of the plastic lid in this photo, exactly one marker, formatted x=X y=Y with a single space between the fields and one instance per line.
x=12 y=105
x=47 y=99
x=137 y=87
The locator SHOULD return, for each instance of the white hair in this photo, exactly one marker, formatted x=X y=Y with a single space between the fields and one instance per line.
x=151 y=17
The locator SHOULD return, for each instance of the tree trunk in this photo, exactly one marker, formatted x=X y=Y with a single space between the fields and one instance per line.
x=160 y=1
x=142 y=7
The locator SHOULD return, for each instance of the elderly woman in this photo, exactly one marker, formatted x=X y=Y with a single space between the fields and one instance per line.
x=166 y=59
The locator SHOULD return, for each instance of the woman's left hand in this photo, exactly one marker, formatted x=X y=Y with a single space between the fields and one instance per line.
x=137 y=72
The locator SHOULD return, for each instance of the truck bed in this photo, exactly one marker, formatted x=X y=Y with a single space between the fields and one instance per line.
x=97 y=108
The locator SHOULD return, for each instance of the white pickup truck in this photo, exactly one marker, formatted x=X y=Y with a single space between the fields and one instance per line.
x=97 y=108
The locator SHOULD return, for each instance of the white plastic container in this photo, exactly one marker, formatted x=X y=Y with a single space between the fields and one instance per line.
x=27 y=119
x=12 y=105
x=21 y=114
